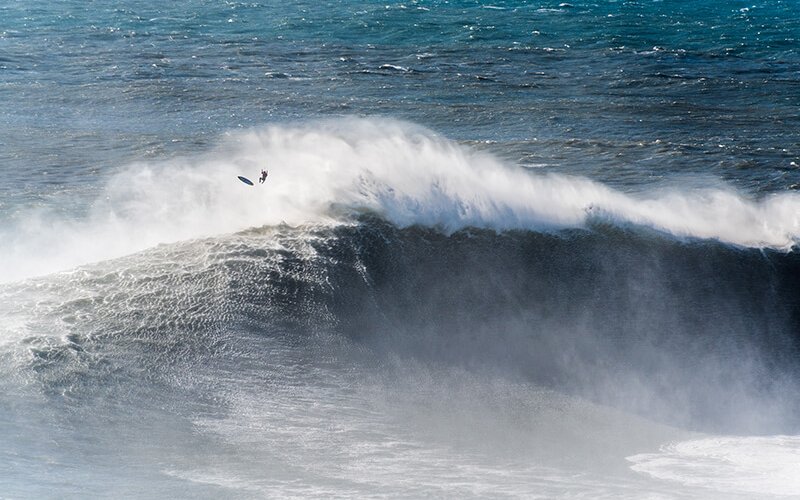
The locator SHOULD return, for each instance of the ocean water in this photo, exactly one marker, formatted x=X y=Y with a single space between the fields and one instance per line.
x=506 y=249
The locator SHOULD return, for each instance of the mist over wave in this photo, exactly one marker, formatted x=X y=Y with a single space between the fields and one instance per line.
x=366 y=357
x=329 y=170
x=702 y=335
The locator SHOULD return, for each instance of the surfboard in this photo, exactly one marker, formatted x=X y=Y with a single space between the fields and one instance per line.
x=245 y=180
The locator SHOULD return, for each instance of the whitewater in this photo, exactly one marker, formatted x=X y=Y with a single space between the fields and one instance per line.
x=328 y=171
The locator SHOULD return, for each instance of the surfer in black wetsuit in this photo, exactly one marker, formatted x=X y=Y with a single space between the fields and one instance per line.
x=263 y=177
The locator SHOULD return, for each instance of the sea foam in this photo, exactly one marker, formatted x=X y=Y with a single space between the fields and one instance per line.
x=750 y=465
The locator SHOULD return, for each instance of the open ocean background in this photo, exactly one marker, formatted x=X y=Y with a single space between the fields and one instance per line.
x=507 y=249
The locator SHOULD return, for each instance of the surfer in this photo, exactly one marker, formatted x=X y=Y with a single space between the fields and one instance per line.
x=263 y=177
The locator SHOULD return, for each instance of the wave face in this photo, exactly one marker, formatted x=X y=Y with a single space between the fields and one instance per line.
x=368 y=358
x=407 y=174
x=394 y=313
x=692 y=334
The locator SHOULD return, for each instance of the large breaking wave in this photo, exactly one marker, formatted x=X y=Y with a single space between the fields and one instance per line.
x=395 y=313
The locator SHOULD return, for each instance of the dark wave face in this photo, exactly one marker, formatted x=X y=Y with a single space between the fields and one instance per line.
x=693 y=334
x=314 y=348
x=697 y=334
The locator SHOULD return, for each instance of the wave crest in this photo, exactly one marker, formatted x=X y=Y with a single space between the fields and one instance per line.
x=327 y=170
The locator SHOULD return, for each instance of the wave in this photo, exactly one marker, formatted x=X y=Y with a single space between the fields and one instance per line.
x=702 y=336
x=329 y=170
x=527 y=354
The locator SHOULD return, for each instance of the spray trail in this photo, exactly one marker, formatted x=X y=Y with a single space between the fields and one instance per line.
x=324 y=171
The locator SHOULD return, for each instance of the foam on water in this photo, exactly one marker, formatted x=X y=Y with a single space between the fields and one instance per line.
x=751 y=465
